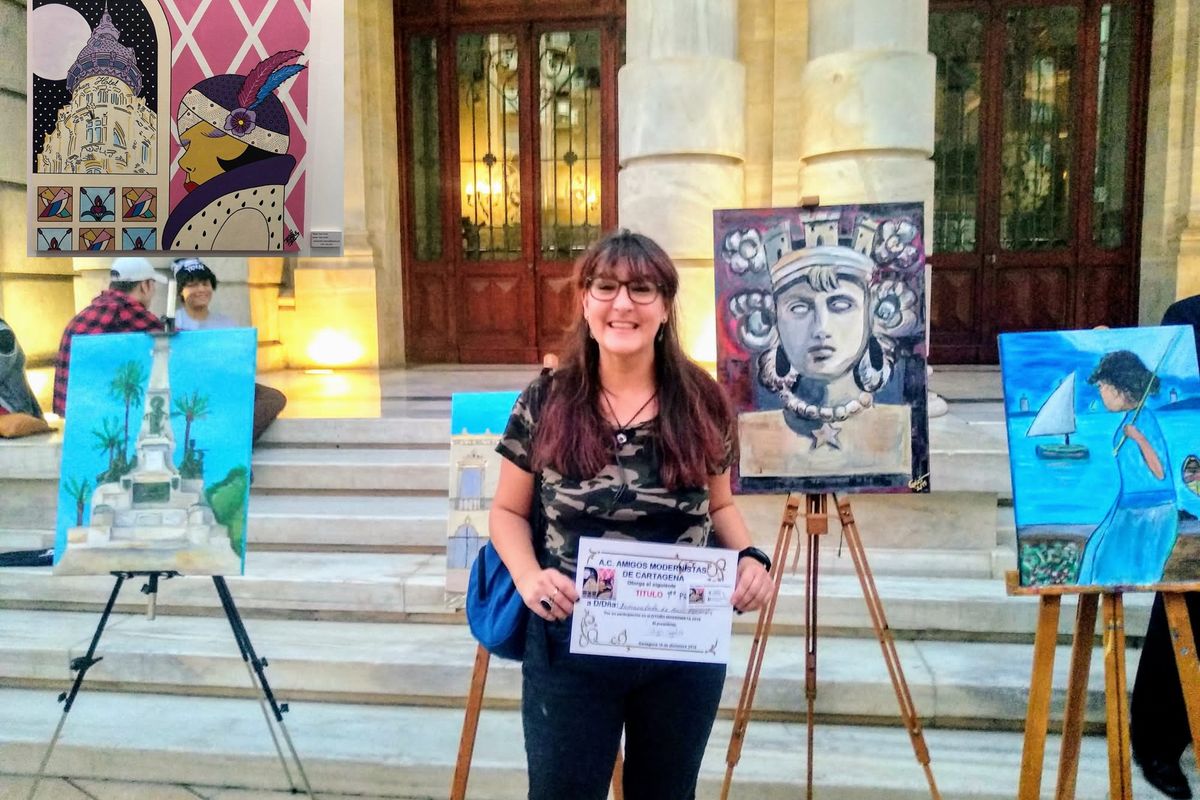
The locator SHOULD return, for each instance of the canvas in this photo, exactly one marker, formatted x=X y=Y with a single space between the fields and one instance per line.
x=1103 y=437
x=477 y=421
x=201 y=105
x=821 y=344
x=156 y=453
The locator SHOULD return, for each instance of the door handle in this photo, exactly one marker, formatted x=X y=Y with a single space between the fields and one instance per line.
x=990 y=259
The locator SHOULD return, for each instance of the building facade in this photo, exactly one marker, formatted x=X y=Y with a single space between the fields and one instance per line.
x=487 y=141
x=106 y=128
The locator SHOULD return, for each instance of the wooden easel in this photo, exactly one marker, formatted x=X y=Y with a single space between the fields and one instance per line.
x=1037 y=720
x=466 y=742
x=817 y=525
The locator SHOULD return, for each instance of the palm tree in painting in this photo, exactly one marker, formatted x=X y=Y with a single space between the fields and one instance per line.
x=126 y=386
x=108 y=440
x=191 y=407
x=79 y=491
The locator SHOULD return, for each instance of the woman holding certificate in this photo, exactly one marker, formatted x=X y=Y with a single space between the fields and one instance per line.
x=628 y=440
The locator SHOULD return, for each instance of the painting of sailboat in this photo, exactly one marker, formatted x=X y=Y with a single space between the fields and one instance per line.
x=1119 y=511
x=1056 y=417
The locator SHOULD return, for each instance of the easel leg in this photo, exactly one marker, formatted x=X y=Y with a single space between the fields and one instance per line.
x=80 y=666
x=466 y=742
x=257 y=667
x=1186 y=661
x=908 y=710
x=1081 y=662
x=816 y=525
x=1037 y=714
x=741 y=717
x=1120 y=780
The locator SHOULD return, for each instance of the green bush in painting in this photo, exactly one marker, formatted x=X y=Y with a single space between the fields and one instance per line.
x=1049 y=562
x=228 y=501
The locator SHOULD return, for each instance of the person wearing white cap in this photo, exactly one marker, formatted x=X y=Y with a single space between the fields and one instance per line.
x=121 y=308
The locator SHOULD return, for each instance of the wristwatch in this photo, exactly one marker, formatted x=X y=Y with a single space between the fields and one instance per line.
x=757 y=555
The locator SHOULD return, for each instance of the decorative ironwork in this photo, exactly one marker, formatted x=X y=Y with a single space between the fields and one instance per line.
x=956 y=38
x=426 y=164
x=489 y=107
x=1112 y=125
x=570 y=141
x=1037 y=137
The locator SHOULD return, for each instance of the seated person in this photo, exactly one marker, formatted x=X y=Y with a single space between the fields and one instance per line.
x=123 y=307
x=196 y=284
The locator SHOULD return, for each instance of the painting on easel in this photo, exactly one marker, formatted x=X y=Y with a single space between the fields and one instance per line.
x=477 y=421
x=821 y=346
x=1104 y=437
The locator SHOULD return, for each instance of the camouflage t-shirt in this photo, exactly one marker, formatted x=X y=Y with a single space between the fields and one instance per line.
x=637 y=507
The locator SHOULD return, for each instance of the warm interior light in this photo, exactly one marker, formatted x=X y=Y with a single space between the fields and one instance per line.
x=333 y=348
x=318 y=372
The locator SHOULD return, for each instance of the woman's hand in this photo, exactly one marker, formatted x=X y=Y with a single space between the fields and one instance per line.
x=754 y=585
x=550 y=585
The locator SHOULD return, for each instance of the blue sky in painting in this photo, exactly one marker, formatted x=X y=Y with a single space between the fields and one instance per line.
x=220 y=364
x=480 y=412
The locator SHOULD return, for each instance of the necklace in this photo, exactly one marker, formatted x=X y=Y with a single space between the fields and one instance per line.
x=620 y=433
x=782 y=386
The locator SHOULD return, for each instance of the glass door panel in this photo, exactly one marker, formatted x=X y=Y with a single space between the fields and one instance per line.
x=956 y=39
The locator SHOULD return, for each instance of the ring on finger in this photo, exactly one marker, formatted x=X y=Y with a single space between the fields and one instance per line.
x=546 y=605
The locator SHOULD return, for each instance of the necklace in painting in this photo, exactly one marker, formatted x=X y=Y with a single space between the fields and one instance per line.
x=621 y=432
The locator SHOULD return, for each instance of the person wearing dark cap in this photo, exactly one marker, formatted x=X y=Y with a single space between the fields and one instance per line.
x=1158 y=718
x=196 y=284
x=123 y=307
x=234 y=135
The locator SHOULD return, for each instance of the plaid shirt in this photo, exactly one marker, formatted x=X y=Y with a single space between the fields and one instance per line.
x=110 y=312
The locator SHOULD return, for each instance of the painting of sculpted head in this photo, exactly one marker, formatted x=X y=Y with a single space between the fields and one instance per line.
x=821 y=346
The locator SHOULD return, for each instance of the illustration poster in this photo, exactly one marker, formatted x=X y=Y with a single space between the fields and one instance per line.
x=156 y=453
x=477 y=421
x=167 y=125
x=821 y=346
x=1104 y=446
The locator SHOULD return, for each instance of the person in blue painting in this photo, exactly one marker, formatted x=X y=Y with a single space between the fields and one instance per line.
x=1133 y=541
x=1159 y=728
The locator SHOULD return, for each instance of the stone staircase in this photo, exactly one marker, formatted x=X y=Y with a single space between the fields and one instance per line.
x=343 y=594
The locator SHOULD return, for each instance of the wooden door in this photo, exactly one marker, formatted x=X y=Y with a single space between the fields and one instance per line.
x=508 y=142
x=1039 y=126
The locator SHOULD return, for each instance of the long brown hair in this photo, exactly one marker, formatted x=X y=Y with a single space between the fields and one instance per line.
x=694 y=424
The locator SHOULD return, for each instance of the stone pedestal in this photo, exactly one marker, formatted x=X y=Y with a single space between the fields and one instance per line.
x=682 y=141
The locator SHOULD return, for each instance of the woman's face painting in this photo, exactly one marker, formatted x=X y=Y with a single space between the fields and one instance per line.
x=201 y=152
x=823 y=333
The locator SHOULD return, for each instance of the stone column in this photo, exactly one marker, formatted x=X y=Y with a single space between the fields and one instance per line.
x=866 y=106
x=682 y=141
x=1170 y=254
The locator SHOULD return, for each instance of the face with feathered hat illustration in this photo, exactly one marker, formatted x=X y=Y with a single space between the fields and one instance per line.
x=229 y=121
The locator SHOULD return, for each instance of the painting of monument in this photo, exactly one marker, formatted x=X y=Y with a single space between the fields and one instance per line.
x=203 y=105
x=821 y=345
x=156 y=453
x=477 y=421
x=1103 y=442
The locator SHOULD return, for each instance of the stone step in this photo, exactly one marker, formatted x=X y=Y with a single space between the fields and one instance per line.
x=951 y=682
x=406 y=752
x=347 y=522
x=25 y=539
x=385 y=431
x=352 y=469
x=383 y=586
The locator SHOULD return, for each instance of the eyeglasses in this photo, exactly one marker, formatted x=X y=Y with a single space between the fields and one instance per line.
x=642 y=292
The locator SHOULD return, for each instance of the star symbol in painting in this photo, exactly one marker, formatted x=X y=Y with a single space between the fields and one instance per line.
x=827 y=434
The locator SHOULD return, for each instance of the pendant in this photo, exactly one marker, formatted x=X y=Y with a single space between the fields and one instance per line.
x=621 y=437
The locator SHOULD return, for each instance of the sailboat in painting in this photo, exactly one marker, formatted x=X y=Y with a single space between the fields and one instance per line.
x=1056 y=417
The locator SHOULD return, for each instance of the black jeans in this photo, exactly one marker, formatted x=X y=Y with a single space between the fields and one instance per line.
x=574 y=706
x=1158 y=718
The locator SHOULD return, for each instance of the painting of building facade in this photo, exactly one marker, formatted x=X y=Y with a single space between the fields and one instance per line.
x=156 y=453
x=1103 y=435
x=203 y=105
x=477 y=421
x=821 y=344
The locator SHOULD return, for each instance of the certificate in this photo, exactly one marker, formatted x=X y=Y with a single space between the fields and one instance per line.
x=666 y=602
